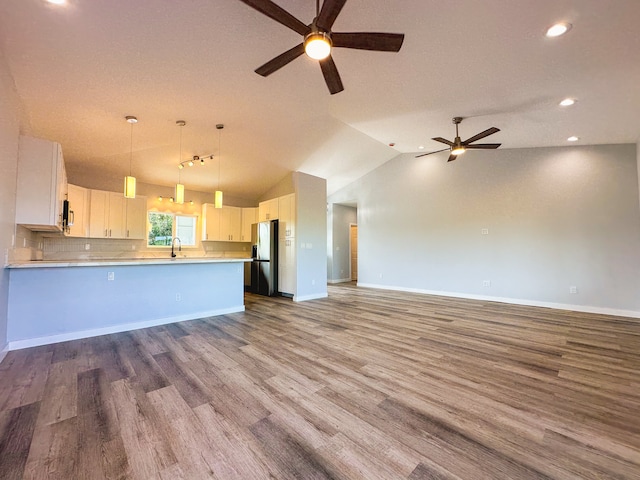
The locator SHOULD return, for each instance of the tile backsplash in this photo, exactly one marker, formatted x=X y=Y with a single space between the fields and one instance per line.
x=66 y=248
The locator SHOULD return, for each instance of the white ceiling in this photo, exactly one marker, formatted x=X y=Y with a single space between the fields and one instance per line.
x=80 y=69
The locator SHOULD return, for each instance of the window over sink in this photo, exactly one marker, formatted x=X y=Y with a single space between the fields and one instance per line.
x=163 y=227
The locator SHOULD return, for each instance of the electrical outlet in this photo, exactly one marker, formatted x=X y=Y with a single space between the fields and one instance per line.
x=573 y=289
x=87 y=246
x=485 y=231
x=111 y=276
x=133 y=247
x=486 y=283
x=24 y=242
x=178 y=297
x=380 y=275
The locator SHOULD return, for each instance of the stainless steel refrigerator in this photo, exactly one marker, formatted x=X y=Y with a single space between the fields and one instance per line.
x=264 y=268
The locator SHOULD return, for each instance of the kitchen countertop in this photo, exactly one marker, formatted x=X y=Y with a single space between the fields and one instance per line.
x=123 y=262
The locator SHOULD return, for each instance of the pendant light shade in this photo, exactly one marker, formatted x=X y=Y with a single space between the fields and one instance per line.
x=129 y=180
x=179 y=198
x=218 y=199
x=129 y=187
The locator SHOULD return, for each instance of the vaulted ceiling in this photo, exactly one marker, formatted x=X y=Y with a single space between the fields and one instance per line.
x=81 y=68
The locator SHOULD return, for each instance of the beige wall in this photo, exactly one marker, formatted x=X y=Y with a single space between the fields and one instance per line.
x=556 y=218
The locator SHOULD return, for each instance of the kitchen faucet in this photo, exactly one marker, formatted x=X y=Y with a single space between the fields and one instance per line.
x=173 y=242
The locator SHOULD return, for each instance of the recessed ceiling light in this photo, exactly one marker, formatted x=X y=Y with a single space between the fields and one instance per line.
x=558 y=29
x=572 y=138
x=567 y=102
x=421 y=147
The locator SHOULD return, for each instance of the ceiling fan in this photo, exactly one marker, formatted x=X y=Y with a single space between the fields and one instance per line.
x=458 y=147
x=319 y=39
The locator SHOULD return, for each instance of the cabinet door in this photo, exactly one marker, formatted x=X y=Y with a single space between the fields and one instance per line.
x=136 y=217
x=249 y=217
x=117 y=215
x=78 y=211
x=41 y=184
x=286 y=215
x=210 y=222
x=98 y=214
x=263 y=211
x=268 y=210
x=287 y=266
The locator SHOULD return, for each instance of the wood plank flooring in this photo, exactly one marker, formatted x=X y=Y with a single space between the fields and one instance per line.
x=365 y=384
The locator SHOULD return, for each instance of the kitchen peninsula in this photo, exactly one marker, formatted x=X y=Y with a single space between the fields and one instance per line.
x=53 y=301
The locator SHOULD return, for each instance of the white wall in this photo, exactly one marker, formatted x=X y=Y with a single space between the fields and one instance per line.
x=9 y=134
x=311 y=236
x=340 y=218
x=556 y=217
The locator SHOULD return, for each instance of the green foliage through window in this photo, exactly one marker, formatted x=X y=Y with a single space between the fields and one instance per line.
x=163 y=227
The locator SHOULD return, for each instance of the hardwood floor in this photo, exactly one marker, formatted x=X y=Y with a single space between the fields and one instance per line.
x=365 y=384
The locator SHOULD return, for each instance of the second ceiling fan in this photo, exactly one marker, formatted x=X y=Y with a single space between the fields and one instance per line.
x=458 y=147
x=319 y=39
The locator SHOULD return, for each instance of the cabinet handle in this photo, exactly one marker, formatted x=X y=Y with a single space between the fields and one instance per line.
x=105 y=233
x=127 y=233
x=109 y=232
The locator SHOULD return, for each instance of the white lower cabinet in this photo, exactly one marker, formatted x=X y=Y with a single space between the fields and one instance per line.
x=287 y=265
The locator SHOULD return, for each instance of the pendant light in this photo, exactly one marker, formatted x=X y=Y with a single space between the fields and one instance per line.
x=179 y=197
x=217 y=198
x=129 y=180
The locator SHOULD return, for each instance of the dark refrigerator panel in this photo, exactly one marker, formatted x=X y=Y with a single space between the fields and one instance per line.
x=264 y=268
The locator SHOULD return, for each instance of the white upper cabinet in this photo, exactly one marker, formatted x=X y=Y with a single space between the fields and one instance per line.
x=78 y=211
x=249 y=217
x=136 y=217
x=268 y=210
x=211 y=222
x=231 y=224
x=287 y=216
x=41 y=186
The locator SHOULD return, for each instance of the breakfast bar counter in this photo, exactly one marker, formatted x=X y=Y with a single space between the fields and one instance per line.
x=53 y=301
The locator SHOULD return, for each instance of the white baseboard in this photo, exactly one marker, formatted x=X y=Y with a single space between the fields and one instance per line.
x=339 y=280
x=64 y=337
x=304 y=298
x=3 y=352
x=513 y=301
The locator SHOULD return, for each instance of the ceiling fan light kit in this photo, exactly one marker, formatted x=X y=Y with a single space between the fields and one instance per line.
x=319 y=40
x=317 y=45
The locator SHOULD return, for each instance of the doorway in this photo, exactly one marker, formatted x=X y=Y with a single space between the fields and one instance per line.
x=353 y=251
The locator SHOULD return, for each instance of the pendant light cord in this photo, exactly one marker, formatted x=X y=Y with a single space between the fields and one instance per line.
x=180 y=154
x=131 y=150
x=219 y=155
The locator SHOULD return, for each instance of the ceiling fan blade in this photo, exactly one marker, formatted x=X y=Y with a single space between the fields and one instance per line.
x=380 y=42
x=452 y=157
x=280 y=61
x=430 y=153
x=271 y=10
x=328 y=13
x=484 y=146
x=443 y=140
x=331 y=75
x=486 y=133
